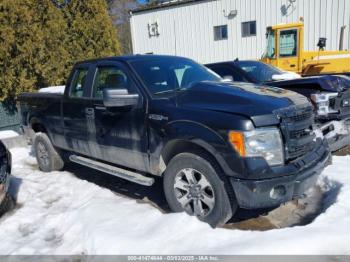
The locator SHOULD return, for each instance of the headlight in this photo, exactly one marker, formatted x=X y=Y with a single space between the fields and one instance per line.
x=322 y=102
x=261 y=142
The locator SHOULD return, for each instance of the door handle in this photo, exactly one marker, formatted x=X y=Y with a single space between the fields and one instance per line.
x=100 y=108
x=89 y=111
x=292 y=65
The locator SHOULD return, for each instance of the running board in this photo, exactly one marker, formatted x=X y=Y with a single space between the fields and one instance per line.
x=112 y=170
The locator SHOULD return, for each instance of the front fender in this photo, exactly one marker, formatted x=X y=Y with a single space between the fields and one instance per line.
x=199 y=135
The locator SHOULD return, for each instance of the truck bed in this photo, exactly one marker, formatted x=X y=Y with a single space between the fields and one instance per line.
x=40 y=105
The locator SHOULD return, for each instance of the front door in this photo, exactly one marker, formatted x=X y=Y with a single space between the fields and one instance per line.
x=288 y=51
x=121 y=133
x=75 y=110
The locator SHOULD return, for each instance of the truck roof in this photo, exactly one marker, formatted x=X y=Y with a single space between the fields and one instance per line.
x=126 y=58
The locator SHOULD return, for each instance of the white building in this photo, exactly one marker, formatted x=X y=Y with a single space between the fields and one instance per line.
x=219 y=30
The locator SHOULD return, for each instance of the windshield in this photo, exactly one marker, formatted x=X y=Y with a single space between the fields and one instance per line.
x=259 y=71
x=163 y=75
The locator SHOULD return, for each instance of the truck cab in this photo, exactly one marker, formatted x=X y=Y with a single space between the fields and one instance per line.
x=285 y=50
x=285 y=46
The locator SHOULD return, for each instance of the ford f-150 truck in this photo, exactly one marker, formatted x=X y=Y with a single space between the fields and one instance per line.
x=217 y=145
x=330 y=94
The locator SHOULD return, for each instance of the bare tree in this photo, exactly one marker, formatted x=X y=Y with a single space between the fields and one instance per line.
x=119 y=11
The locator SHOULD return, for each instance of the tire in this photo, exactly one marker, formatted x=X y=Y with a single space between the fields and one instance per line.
x=46 y=155
x=7 y=204
x=210 y=197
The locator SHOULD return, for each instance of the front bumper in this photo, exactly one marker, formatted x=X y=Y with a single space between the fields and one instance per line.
x=272 y=192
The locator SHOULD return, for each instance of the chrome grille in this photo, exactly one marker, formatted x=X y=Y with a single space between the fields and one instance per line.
x=296 y=126
x=302 y=116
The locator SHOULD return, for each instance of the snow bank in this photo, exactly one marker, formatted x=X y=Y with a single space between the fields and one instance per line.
x=61 y=214
x=286 y=76
x=53 y=89
x=8 y=134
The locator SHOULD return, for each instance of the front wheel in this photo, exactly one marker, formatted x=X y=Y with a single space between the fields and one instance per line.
x=193 y=184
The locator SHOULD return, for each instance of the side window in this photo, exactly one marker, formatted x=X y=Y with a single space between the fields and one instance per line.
x=111 y=77
x=288 y=43
x=78 y=83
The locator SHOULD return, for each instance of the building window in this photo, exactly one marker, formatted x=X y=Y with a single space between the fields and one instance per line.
x=249 y=29
x=220 y=32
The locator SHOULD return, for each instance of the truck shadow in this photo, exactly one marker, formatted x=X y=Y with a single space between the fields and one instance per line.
x=153 y=195
x=294 y=213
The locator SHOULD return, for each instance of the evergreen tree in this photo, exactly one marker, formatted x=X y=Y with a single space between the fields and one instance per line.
x=90 y=31
x=30 y=51
x=40 y=42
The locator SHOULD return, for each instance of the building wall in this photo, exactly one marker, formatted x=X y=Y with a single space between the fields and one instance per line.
x=187 y=30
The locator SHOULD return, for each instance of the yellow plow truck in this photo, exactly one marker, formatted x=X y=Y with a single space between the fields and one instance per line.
x=285 y=50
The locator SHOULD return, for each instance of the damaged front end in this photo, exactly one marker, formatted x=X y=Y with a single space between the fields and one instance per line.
x=333 y=117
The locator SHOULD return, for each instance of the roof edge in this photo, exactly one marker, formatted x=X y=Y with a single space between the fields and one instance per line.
x=173 y=3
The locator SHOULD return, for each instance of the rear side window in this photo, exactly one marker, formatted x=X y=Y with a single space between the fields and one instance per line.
x=111 y=77
x=78 y=83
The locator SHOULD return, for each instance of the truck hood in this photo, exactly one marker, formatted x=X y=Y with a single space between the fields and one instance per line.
x=256 y=102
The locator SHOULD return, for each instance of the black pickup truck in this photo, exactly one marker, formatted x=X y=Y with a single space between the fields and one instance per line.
x=329 y=94
x=217 y=145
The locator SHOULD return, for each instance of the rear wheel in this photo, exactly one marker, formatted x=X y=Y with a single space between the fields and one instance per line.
x=46 y=155
x=194 y=184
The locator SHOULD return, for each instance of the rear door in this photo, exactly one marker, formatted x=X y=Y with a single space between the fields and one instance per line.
x=75 y=110
x=120 y=133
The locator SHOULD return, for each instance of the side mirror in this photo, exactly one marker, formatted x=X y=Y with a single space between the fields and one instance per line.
x=119 y=98
x=228 y=78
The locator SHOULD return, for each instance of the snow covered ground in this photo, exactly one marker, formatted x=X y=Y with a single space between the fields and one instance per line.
x=59 y=213
x=8 y=134
x=53 y=89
